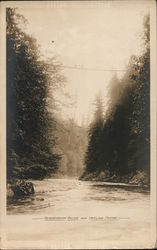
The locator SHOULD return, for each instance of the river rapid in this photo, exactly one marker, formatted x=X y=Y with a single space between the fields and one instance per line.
x=68 y=213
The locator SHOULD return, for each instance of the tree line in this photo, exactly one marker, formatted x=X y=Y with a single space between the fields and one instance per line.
x=119 y=141
x=31 y=121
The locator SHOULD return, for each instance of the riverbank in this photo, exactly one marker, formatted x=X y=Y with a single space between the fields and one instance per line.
x=139 y=178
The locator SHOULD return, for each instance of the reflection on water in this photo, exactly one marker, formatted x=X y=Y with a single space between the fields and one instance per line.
x=53 y=195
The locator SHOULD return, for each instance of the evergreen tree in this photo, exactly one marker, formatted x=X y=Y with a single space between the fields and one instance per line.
x=30 y=124
x=128 y=136
x=93 y=154
x=120 y=142
x=140 y=116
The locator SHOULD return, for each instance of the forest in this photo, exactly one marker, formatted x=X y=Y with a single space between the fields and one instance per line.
x=30 y=121
x=39 y=144
x=119 y=141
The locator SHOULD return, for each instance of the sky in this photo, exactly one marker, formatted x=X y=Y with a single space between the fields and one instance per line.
x=98 y=36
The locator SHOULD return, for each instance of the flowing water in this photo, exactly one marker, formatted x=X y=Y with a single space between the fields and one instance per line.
x=72 y=214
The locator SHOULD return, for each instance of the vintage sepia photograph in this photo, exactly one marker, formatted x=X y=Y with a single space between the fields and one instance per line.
x=79 y=93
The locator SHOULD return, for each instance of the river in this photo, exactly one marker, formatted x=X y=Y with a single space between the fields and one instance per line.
x=68 y=213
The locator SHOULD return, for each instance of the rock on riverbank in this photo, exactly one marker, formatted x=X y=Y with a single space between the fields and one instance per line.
x=20 y=188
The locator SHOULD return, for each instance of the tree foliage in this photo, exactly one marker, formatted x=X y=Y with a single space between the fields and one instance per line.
x=121 y=142
x=30 y=119
x=95 y=138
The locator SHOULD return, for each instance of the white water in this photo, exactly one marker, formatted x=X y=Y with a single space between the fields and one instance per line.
x=68 y=213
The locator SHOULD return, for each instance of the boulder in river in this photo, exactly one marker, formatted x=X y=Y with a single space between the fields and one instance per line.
x=22 y=188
